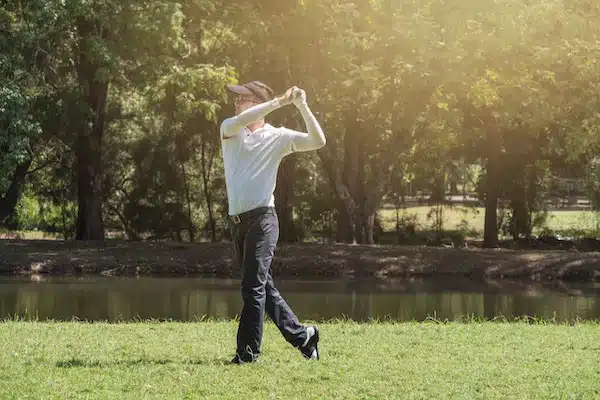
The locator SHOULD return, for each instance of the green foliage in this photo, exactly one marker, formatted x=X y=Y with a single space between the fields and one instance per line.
x=26 y=215
x=413 y=97
x=593 y=184
x=161 y=189
x=46 y=216
x=18 y=128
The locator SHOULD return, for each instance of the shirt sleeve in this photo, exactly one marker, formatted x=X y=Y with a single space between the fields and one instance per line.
x=296 y=141
x=234 y=125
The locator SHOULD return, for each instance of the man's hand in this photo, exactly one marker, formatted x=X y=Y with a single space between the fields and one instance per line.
x=299 y=97
x=292 y=95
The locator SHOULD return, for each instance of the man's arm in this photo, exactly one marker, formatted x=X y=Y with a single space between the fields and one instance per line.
x=314 y=138
x=234 y=125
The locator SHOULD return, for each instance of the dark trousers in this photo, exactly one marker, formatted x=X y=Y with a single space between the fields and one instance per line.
x=255 y=235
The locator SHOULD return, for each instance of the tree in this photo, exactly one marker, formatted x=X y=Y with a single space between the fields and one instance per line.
x=513 y=98
x=119 y=106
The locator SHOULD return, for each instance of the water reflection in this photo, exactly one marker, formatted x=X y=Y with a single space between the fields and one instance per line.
x=191 y=299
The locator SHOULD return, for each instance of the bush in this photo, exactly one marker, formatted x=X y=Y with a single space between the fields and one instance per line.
x=40 y=215
x=26 y=214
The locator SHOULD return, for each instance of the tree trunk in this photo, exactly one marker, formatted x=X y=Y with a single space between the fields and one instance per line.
x=89 y=189
x=532 y=195
x=345 y=224
x=346 y=205
x=361 y=191
x=211 y=220
x=520 y=214
x=453 y=187
x=189 y=205
x=352 y=176
x=438 y=194
x=438 y=221
x=89 y=142
x=284 y=194
x=490 y=231
x=359 y=224
x=347 y=215
x=10 y=199
x=368 y=226
x=207 y=158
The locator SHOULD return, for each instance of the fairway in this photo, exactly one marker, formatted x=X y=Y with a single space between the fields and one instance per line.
x=488 y=360
x=473 y=218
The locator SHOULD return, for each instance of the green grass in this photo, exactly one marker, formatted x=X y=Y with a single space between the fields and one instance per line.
x=29 y=235
x=568 y=221
x=475 y=360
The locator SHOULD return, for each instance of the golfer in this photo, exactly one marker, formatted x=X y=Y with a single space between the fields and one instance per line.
x=252 y=151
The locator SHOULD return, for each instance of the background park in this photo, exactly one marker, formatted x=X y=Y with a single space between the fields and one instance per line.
x=446 y=239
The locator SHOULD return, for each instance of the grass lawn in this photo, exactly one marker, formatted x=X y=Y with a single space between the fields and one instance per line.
x=484 y=360
x=558 y=221
x=469 y=218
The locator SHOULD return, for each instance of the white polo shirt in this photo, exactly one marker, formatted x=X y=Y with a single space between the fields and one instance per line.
x=251 y=161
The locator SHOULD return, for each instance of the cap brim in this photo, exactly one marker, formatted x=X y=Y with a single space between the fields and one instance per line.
x=237 y=89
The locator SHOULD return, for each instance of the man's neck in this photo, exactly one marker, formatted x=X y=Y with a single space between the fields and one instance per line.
x=256 y=125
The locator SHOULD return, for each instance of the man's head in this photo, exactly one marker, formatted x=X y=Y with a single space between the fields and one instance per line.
x=250 y=94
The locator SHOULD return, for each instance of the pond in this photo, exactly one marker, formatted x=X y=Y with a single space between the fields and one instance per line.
x=191 y=299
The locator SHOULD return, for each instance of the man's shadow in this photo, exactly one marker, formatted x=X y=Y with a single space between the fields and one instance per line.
x=81 y=363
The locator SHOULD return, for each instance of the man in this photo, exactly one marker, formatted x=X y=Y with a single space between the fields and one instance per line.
x=252 y=151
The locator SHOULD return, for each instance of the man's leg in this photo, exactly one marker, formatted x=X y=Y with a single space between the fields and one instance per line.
x=282 y=315
x=258 y=248
x=304 y=338
x=238 y=236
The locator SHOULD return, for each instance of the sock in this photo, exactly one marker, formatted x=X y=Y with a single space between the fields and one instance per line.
x=310 y=331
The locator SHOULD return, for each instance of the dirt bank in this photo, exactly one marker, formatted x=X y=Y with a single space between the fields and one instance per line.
x=24 y=257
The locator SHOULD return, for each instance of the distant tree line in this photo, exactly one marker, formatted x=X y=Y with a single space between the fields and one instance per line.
x=109 y=110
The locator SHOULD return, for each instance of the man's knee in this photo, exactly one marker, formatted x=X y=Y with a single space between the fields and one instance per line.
x=272 y=292
x=253 y=291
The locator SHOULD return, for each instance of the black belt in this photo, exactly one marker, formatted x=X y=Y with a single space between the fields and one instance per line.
x=245 y=216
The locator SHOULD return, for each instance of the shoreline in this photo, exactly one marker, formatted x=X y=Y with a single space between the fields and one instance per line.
x=123 y=258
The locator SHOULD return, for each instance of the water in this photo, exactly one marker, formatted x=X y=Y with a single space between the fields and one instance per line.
x=190 y=299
